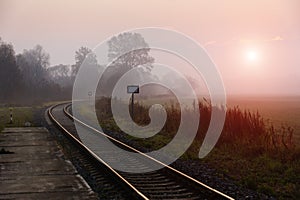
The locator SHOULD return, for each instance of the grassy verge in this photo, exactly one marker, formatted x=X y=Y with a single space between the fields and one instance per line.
x=20 y=116
x=250 y=150
x=271 y=174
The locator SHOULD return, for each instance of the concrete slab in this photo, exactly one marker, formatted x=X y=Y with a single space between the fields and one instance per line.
x=36 y=169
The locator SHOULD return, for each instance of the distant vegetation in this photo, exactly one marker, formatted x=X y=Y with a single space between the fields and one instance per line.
x=28 y=78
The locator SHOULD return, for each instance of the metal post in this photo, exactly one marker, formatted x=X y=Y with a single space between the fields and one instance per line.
x=132 y=105
x=11 y=116
x=131 y=89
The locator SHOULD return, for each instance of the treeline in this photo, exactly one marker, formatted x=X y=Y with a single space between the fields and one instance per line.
x=28 y=78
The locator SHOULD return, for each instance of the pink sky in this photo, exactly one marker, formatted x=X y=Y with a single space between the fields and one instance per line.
x=229 y=30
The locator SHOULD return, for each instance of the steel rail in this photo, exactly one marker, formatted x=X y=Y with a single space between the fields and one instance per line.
x=153 y=159
x=74 y=139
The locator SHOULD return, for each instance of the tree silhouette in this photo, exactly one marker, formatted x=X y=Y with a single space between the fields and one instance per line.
x=125 y=52
x=129 y=50
x=9 y=73
x=33 y=65
x=80 y=55
x=61 y=74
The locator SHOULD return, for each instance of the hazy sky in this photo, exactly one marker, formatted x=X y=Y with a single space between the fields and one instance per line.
x=256 y=43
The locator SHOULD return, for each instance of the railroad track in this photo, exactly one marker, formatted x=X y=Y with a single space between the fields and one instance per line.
x=166 y=183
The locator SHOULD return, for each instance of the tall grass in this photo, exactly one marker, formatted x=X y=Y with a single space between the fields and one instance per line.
x=250 y=148
x=250 y=130
x=242 y=128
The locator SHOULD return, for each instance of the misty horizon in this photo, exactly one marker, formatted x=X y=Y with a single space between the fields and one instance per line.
x=254 y=56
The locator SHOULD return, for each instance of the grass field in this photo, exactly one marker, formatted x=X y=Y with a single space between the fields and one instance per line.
x=278 y=110
x=249 y=150
x=20 y=116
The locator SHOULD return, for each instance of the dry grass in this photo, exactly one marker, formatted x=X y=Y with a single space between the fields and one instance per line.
x=251 y=150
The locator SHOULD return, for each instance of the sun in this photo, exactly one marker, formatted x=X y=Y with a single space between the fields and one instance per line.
x=252 y=59
x=252 y=55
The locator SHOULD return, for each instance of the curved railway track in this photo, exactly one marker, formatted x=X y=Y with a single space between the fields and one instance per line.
x=166 y=183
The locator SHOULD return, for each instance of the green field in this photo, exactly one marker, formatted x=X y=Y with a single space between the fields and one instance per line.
x=20 y=116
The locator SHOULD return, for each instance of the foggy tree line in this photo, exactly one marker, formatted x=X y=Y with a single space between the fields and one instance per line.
x=27 y=77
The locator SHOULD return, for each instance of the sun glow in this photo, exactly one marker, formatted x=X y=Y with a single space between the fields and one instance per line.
x=251 y=59
x=252 y=56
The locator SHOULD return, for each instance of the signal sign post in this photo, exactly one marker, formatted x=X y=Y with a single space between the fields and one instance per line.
x=11 y=116
x=90 y=94
x=132 y=89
